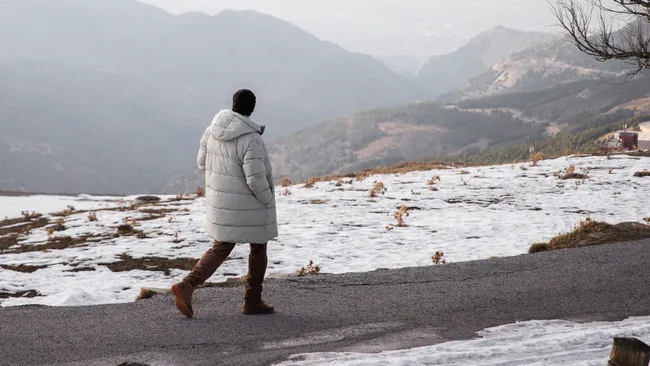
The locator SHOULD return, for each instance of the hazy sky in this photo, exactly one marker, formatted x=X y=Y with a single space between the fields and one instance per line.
x=418 y=28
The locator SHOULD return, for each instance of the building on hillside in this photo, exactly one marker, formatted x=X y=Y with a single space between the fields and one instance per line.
x=644 y=136
x=629 y=140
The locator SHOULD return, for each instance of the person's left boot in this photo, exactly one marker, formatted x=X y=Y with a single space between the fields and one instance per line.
x=257 y=261
x=257 y=308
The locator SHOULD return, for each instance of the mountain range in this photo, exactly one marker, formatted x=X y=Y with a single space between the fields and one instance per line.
x=111 y=96
x=95 y=92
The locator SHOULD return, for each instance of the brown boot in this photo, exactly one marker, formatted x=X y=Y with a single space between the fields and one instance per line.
x=183 y=298
x=211 y=260
x=257 y=262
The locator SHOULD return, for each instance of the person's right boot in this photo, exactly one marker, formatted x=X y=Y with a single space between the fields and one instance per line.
x=257 y=261
x=183 y=298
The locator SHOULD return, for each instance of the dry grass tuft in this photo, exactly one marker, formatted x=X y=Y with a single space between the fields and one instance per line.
x=464 y=172
x=377 y=189
x=571 y=169
x=69 y=210
x=286 y=192
x=538 y=247
x=574 y=176
x=433 y=180
x=400 y=215
x=536 y=158
x=145 y=293
x=310 y=270
x=361 y=176
x=310 y=183
x=200 y=192
x=285 y=182
x=30 y=215
x=400 y=168
x=438 y=258
x=590 y=232
x=92 y=217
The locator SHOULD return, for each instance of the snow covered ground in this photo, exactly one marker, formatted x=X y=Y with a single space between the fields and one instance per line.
x=490 y=211
x=551 y=342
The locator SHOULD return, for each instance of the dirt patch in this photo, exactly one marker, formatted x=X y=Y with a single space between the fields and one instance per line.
x=642 y=174
x=8 y=241
x=54 y=243
x=19 y=226
x=156 y=264
x=28 y=294
x=81 y=269
x=22 y=268
x=590 y=232
x=314 y=202
x=574 y=176
x=157 y=211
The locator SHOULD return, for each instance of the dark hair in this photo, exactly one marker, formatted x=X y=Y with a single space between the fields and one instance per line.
x=243 y=102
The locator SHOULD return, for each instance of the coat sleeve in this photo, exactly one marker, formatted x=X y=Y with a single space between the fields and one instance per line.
x=255 y=171
x=203 y=149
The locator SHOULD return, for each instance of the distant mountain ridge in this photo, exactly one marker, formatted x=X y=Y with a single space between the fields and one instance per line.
x=444 y=73
x=429 y=130
x=149 y=82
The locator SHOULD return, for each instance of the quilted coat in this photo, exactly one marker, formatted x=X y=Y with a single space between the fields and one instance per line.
x=239 y=190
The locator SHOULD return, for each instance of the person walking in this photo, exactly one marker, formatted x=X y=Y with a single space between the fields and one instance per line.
x=240 y=202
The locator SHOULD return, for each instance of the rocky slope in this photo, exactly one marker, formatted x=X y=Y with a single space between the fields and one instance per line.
x=447 y=72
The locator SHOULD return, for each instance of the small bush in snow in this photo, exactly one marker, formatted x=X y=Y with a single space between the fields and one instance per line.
x=536 y=158
x=438 y=258
x=377 y=189
x=285 y=182
x=310 y=182
x=400 y=215
x=310 y=270
x=433 y=180
x=28 y=216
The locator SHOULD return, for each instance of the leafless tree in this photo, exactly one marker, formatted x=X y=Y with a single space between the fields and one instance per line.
x=590 y=25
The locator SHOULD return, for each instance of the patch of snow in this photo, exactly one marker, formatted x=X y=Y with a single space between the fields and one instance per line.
x=550 y=342
x=492 y=211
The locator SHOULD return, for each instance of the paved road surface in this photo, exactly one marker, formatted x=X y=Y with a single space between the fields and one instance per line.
x=358 y=312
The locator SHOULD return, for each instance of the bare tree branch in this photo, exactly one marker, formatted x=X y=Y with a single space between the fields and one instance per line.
x=596 y=36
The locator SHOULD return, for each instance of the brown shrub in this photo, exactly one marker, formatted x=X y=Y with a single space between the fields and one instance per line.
x=574 y=176
x=571 y=169
x=92 y=217
x=200 y=192
x=433 y=180
x=310 y=183
x=377 y=189
x=310 y=270
x=590 y=232
x=438 y=258
x=539 y=247
x=400 y=215
x=285 y=182
x=537 y=157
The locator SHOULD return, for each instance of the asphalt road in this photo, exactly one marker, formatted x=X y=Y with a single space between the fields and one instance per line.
x=353 y=312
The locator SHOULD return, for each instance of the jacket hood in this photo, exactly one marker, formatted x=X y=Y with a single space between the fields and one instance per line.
x=228 y=125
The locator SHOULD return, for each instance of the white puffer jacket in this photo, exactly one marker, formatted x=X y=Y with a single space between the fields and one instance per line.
x=240 y=196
